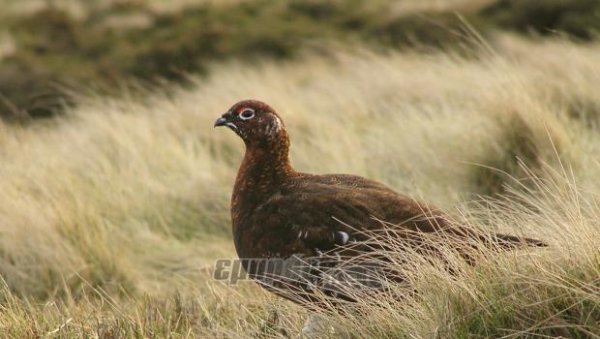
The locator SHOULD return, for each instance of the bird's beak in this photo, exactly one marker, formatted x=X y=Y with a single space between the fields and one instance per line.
x=220 y=122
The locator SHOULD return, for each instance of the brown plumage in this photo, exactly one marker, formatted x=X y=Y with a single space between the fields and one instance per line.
x=279 y=214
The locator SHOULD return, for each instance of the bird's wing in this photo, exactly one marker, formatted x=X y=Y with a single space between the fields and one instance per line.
x=318 y=217
x=319 y=232
x=314 y=218
x=323 y=216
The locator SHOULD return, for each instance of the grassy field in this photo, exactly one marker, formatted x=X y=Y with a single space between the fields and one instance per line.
x=111 y=215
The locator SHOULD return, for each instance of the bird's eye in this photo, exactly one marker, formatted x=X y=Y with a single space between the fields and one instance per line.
x=247 y=114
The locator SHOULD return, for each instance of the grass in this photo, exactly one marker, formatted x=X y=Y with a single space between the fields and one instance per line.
x=112 y=214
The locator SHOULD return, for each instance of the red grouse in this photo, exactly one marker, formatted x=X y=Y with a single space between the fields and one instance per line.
x=282 y=217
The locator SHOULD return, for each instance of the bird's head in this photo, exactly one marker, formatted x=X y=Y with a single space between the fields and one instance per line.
x=254 y=121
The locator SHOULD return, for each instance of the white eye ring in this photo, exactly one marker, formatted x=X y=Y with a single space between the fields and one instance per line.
x=247 y=113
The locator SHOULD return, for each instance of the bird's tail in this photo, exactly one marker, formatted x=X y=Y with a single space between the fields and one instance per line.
x=510 y=241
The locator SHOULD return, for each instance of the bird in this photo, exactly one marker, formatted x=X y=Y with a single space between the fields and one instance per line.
x=292 y=229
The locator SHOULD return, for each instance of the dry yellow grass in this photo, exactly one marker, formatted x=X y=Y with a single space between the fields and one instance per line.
x=110 y=211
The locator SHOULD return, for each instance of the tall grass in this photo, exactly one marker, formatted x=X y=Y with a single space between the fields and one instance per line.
x=112 y=215
x=551 y=292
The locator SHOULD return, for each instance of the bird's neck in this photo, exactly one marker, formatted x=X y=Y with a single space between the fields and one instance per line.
x=264 y=168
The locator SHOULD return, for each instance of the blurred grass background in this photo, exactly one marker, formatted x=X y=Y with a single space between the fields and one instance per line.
x=49 y=47
x=115 y=187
